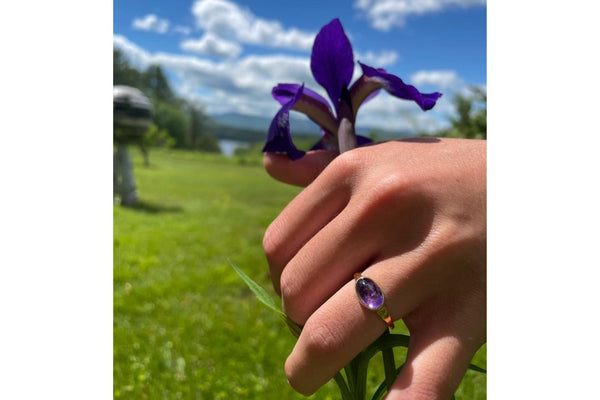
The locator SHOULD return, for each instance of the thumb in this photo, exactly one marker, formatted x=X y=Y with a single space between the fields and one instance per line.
x=300 y=172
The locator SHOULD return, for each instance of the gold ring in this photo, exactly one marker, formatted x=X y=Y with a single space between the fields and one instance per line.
x=371 y=297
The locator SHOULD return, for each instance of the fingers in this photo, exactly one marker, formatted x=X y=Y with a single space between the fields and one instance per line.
x=304 y=216
x=332 y=337
x=325 y=263
x=354 y=239
x=441 y=344
x=291 y=230
x=338 y=330
x=299 y=172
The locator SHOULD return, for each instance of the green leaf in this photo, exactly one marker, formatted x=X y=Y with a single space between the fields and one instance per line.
x=260 y=293
x=349 y=369
x=380 y=392
x=386 y=342
x=389 y=364
x=341 y=382
x=356 y=374
x=294 y=327
x=474 y=367
x=267 y=300
x=382 y=388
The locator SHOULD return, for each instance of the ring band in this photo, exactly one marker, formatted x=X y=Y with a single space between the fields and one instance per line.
x=371 y=297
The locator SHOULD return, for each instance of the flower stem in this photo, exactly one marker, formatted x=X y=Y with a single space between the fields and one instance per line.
x=341 y=382
x=346 y=133
x=389 y=364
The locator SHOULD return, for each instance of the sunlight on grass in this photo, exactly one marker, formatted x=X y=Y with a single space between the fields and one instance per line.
x=185 y=325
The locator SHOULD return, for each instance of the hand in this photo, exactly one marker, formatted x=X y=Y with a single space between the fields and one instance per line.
x=411 y=215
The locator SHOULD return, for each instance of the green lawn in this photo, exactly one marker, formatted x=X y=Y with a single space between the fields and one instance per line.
x=185 y=325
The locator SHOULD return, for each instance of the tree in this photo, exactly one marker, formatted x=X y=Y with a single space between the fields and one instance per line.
x=156 y=84
x=200 y=139
x=471 y=120
x=178 y=122
x=172 y=119
x=123 y=73
x=154 y=137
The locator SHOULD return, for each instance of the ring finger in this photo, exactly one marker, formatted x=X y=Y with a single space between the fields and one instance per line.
x=327 y=344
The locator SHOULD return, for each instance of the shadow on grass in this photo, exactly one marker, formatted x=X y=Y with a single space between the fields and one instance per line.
x=152 y=208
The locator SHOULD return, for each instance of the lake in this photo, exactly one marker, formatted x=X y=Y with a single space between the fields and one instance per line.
x=228 y=146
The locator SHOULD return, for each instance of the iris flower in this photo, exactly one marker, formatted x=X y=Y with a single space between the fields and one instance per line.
x=332 y=65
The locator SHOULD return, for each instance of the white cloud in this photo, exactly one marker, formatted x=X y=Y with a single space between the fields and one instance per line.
x=388 y=112
x=212 y=45
x=386 y=14
x=244 y=85
x=233 y=84
x=226 y=19
x=439 y=79
x=379 y=60
x=392 y=114
x=184 y=30
x=151 y=23
x=137 y=56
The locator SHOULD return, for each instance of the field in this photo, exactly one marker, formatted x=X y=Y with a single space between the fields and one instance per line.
x=185 y=325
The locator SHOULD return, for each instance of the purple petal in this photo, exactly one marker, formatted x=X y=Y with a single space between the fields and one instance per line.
x=371 y=96
x=332 y=60
x=363 y=90
x=327 y=142
x=284 y=92
x=310 y=103
x=279 y=138
x=362 y=140
x=373 y=79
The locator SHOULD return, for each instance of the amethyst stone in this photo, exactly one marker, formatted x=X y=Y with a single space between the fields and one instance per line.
x=369 y=293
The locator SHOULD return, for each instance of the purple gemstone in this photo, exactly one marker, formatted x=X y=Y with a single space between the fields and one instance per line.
x=369 y=293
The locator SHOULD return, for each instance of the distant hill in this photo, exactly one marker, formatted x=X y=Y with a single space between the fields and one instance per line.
x=251 y=128
x=252 y=122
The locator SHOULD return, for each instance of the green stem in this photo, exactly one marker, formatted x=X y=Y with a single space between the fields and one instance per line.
x=386 y=342
x=474 y=367
x=339 y=379
x=381 y=389
x=356 y=372
x=351 y=377
x=389 y=364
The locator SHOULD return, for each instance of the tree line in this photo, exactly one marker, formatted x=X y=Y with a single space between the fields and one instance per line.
x=181 y=123
x=178 y=122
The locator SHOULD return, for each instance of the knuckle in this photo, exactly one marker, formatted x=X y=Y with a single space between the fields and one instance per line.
x=293 y=298
x=272 y=244
x=390 y=188
x=289 y=292
x=347 y=163
x=323 y=337
x=389 y=193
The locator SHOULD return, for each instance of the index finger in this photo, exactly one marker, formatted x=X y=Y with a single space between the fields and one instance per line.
x=298 y=172
x=303 y=217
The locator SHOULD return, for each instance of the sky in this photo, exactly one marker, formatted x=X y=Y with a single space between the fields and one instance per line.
x=228 y=55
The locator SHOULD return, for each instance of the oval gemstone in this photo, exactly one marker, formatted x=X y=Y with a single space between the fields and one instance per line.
x=369 y=293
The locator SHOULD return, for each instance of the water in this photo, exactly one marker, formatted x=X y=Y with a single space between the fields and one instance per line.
x=228 y=146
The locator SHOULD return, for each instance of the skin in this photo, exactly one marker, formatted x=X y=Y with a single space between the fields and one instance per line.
x=411 y=215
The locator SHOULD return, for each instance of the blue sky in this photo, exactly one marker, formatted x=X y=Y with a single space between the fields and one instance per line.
x=229 y=54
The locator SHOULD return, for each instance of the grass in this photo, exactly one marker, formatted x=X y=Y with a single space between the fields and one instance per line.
x=185 y=325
